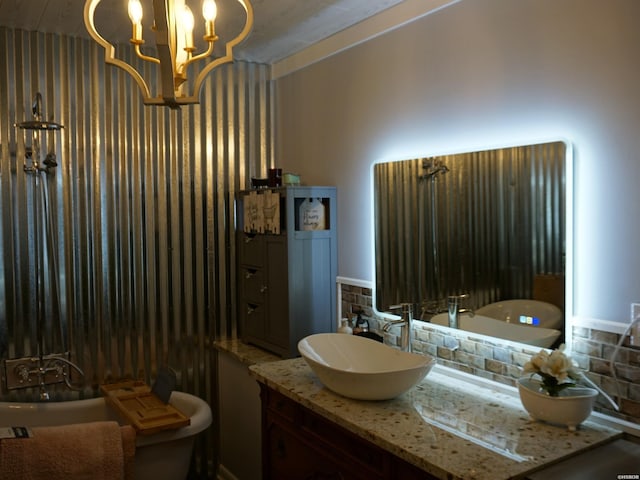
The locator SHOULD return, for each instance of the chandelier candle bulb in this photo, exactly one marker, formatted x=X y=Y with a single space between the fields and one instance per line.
x=135 y=14
x=209 y=12
x=187 y=25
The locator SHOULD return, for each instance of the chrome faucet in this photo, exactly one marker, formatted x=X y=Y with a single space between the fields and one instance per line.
x=455 y=310
x=39 y=372
x=405 y=324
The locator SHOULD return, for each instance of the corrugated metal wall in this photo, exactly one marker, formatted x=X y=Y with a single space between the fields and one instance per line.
x=486 y=227
x=142 y=210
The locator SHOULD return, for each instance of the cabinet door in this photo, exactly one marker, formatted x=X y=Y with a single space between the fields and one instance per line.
x=253 y=283
x=251 y=279
x=277 y=319
x=302 y=445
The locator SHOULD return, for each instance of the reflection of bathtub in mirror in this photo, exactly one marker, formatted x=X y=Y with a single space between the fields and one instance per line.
x=525 y=312
x=491 y=327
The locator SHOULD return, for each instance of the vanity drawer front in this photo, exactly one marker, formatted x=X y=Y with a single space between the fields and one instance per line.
x=405 y=471
x=292 y=457
x=303 y=445
x=253 y=283
x=357 y=451
x=344 y=446
x=283 y=406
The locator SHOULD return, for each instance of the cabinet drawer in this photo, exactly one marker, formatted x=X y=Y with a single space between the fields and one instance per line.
x=252 y=318
x=251 y=248
x=253 y=285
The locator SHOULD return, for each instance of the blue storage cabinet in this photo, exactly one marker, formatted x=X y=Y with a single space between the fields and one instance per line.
x=287 y=266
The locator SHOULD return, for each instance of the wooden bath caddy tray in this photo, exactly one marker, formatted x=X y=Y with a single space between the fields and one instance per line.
x=138 y=405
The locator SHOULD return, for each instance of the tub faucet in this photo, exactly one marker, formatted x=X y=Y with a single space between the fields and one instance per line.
x=455 y=310
x=406 y=310
x=44 y=395
x=40 y=371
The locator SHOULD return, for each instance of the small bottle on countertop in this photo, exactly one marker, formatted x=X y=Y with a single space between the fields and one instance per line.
x=344 y=327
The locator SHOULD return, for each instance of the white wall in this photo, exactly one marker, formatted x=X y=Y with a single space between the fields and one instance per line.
x=485 y=73
x=240 y=424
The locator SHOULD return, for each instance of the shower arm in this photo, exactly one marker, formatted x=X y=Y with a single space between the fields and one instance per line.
x=36 y=108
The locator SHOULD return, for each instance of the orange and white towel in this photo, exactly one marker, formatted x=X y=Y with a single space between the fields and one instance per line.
x=95 y=451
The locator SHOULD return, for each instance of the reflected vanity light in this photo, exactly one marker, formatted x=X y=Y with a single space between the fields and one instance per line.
x=419 y=152
x=471 y=423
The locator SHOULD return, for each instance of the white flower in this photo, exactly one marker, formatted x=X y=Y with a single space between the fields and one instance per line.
x=558 y=365
x=537 y=362
x=556 y=369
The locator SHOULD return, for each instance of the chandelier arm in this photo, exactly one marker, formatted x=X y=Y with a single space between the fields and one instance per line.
x=200 y=56
x=228 y=57
x=145 y=57
x=248 y=25
x=109 y=50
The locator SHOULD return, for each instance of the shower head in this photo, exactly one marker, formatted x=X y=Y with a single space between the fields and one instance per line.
x=433 y=169
x=37 y=123
x=36 y=159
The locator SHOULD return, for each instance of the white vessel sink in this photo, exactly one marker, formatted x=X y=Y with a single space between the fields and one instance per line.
x=526 y=312
x=361 y=368
x=539 y=336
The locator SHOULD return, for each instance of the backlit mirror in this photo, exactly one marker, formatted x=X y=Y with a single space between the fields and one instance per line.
x=488 y=224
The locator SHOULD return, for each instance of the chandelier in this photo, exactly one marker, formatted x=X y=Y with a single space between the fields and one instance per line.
x=173 y=25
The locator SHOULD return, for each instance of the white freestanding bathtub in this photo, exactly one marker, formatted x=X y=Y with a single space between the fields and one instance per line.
x=162 y=456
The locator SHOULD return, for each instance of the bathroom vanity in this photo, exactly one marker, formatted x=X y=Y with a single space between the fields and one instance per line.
x=446 y=427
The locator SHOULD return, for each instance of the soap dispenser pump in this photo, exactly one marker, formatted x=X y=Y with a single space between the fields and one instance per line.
x=344 y=327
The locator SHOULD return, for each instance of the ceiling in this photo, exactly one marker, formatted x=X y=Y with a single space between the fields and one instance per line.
x=281 y=27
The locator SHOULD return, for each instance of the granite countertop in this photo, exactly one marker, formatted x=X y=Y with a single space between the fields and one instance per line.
x=243 y=352
x=445 y=425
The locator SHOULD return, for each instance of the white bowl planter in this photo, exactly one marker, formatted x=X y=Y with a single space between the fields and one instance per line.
x=570 y=408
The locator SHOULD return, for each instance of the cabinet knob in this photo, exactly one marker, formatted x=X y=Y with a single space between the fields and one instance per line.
x=250 y=310
x=263 y=288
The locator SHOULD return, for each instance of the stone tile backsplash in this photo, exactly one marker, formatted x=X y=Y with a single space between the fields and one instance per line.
x=503 y=362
